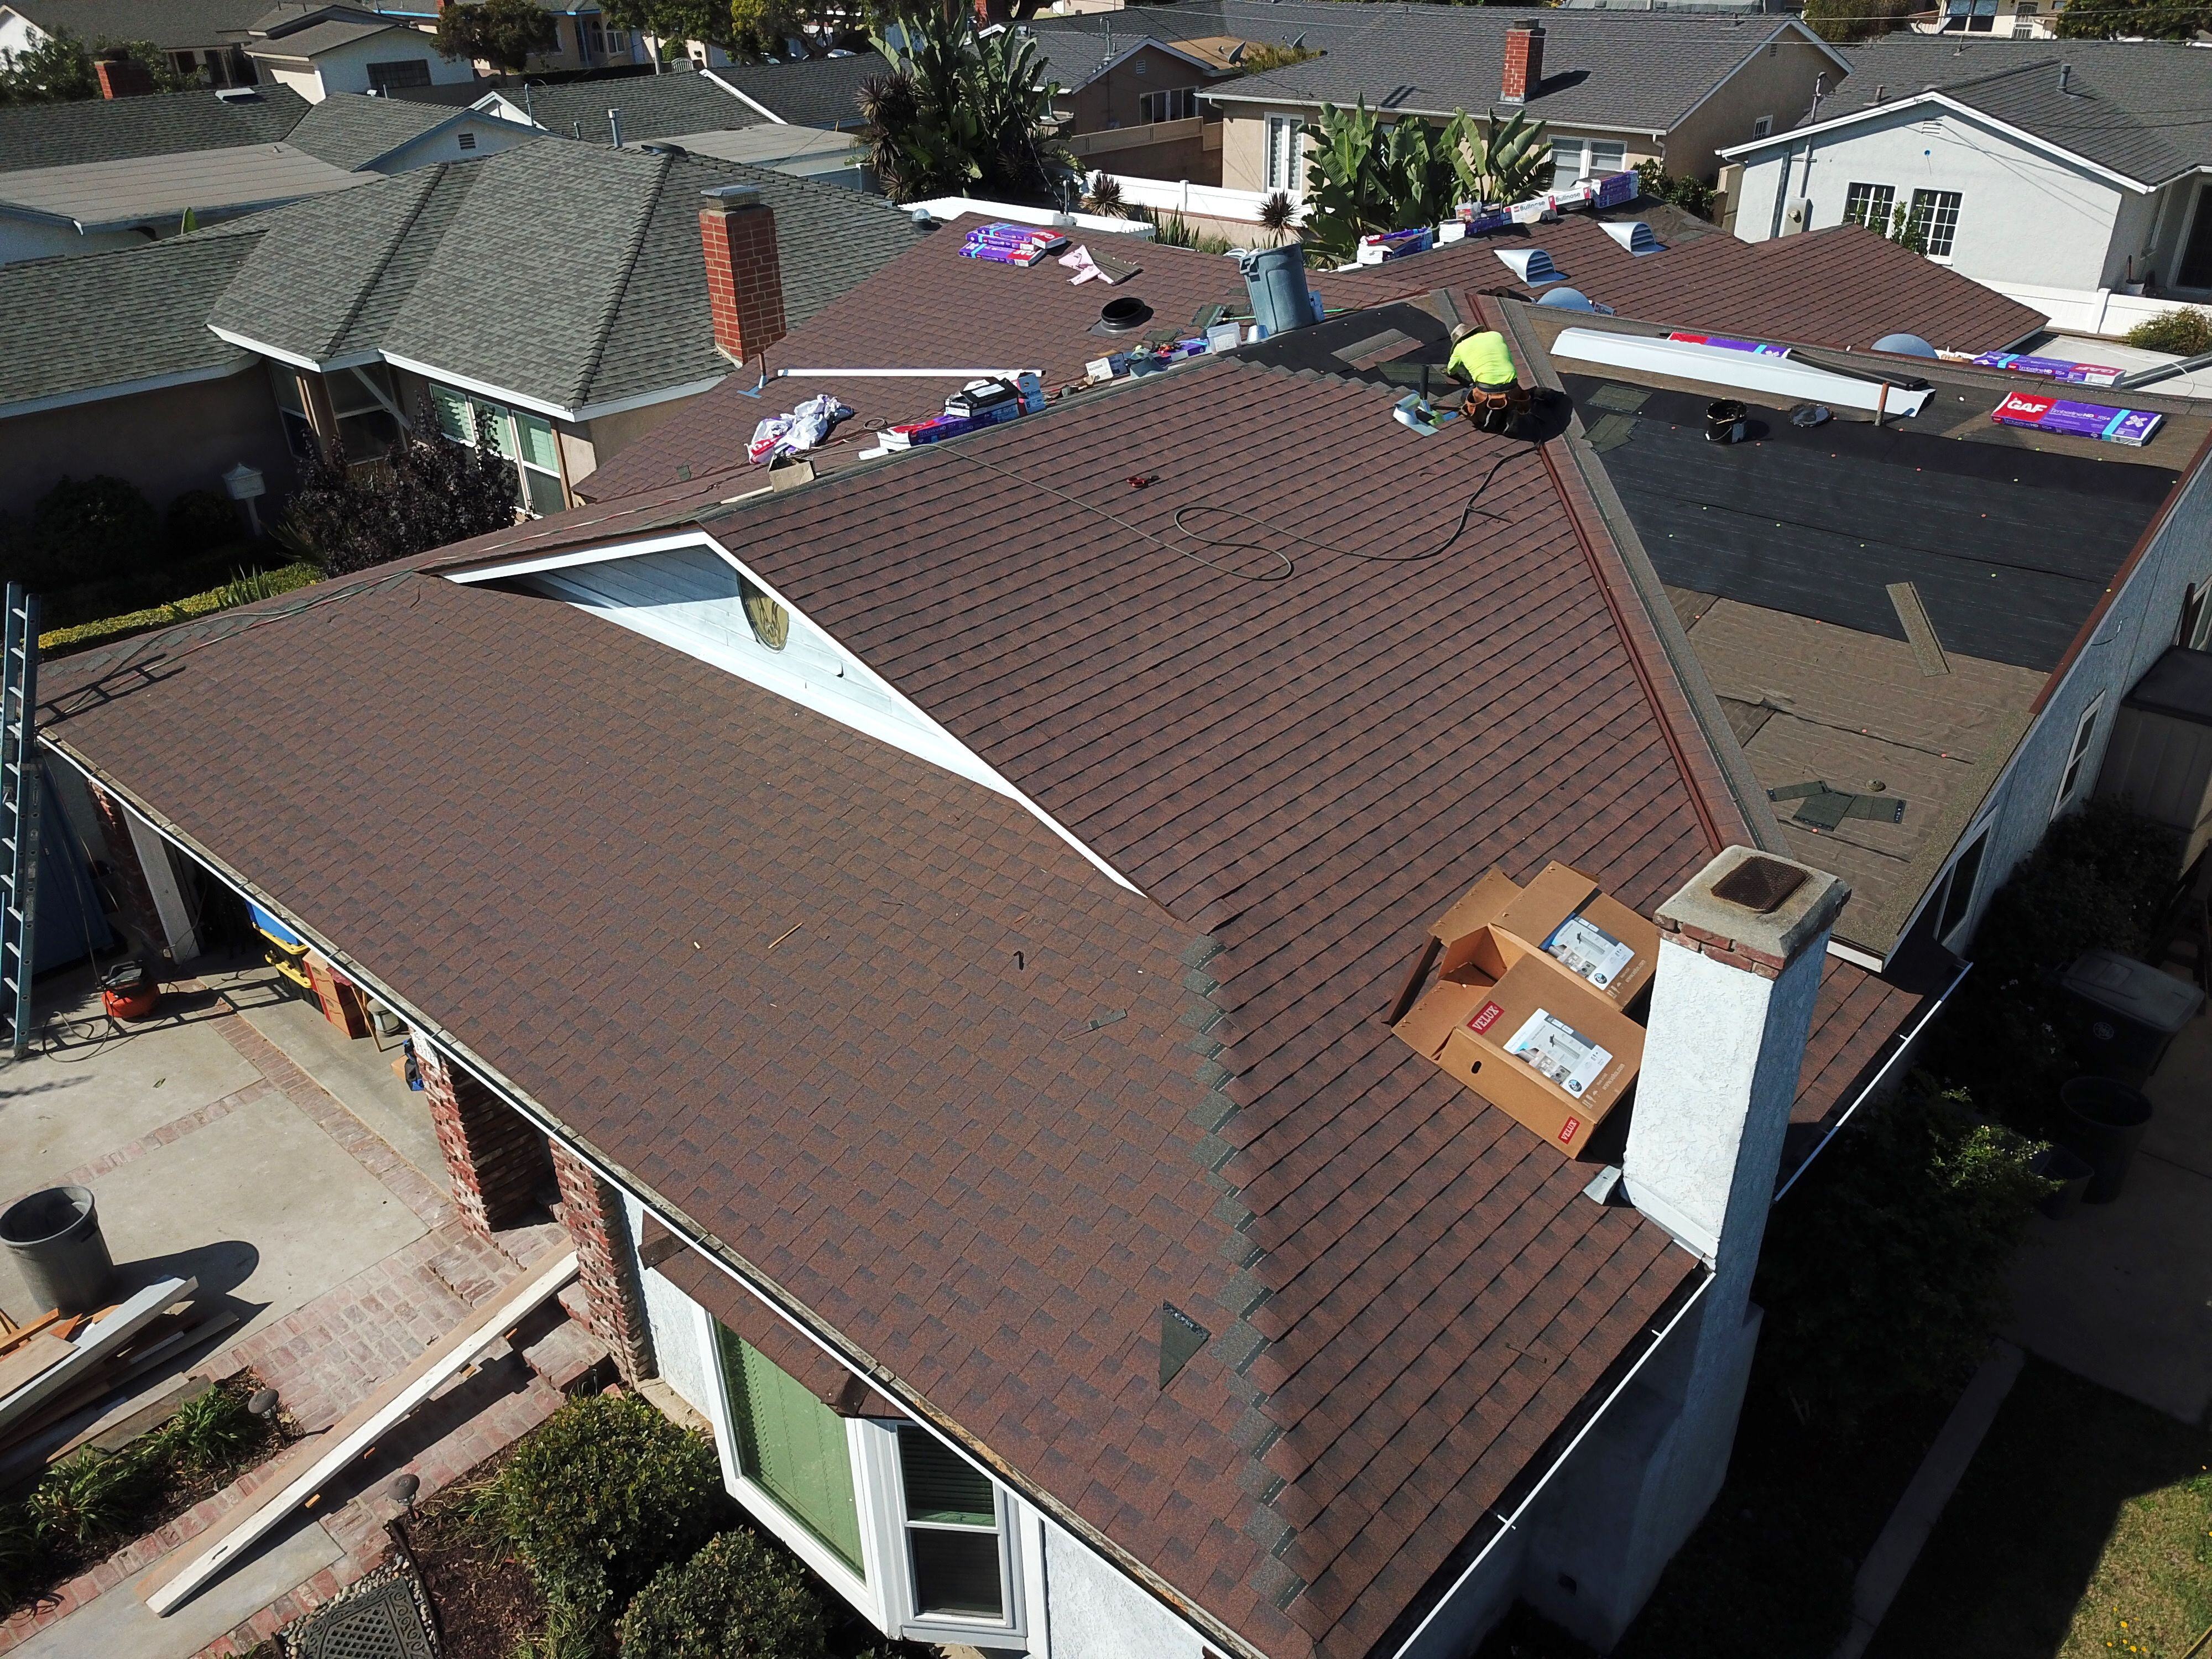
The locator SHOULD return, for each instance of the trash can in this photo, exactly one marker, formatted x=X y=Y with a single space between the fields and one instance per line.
x=54 y=1237
x=1275 y=283
x=2134 y=1010
x=2105 y=1118
x=2071 y=1171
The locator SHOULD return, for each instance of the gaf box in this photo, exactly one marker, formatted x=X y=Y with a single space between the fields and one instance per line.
x=1511 y=1020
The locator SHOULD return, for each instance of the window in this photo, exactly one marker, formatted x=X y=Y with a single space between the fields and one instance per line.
x=1969 y=17
x=1959 y=896
x=1762 y=126
x=792 y=1446
x=1282 y=171
x=2023 y=28
x=1870 y=205
x=1935 y=216
x=1177 y=105
x=1574 y=159
x=525 y=439
x=952 y=1531
x=2196 y=618
x=292 y=413
x=361 y=400
x=591 y=36
x=407 y=72
x=2077 y=757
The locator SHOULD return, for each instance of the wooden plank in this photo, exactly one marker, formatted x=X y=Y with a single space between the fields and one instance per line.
x=355 y=1433
x=39 y=1354
x=93 y=1344
x=147 y=1418
x=23 y=1334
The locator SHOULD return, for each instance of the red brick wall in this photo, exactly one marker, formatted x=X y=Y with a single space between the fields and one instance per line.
x=497 y=1158
x=126 y=79
x=744 y=276
x=126 y=874
x=606 y=1266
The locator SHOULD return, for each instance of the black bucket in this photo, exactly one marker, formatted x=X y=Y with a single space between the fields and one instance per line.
x=2071 y=1171
x=54 y=1237
x=1725 y=419
x=2104 y=1120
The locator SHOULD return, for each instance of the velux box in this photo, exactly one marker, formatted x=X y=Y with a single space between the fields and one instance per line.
x=1526 y=1006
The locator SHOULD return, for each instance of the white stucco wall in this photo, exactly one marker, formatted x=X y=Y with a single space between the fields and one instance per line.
x=2024 y=216
x=1093 y=1611
x=346 y=68
x=16 y=33
x=492 y=136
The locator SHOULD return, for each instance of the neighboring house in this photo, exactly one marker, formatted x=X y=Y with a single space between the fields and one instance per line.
x=2011 y=19
x=1614 y=88
x=625 y=108
x=113 y=173
x=560 y=294
x=199 y=37
x=582 y=38
x=1130 y=104
x=319 y=50
x=808 y=92
x=2064 y=173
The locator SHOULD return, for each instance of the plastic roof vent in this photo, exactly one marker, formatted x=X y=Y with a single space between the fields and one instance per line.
x=1573 y=298
x=1531 y=265
x=1636 y=236
x=1905 y=345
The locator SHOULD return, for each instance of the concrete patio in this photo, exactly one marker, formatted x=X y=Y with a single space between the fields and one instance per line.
x=241 y=1137
x=2121 y=1293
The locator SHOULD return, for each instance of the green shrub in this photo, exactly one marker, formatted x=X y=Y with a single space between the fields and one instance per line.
x=2186 y=332
x=739 y=1598
x=199 y=522
x=93 y=1496
x=1692 y=196
x=1884 y=1276
x=90 y=531
x=243 y=589
x=603 y=1496
x=209 y=1432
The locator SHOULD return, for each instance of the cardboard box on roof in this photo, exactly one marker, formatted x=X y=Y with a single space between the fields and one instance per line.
x=1563 y=916
x=1521 y=1027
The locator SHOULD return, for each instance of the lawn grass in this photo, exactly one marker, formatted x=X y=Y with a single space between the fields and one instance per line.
x=2082 y=1530
x=1768 y=1573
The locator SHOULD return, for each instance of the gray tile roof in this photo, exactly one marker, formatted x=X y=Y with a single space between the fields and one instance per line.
x=817 y=92
x=652 y=106
x=567 y=273
x=2142 y=108
x=173 y=25
x=150 y=300
x=317 y=38
x=155 y=191
x=349 y=131
x=162 y=123
x=1604 y=69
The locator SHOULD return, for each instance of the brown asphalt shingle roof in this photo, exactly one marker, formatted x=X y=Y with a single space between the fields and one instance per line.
x=1842 y=287
x=930 y=1153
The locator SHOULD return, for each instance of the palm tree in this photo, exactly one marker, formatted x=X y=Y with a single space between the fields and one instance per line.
x=960 y=110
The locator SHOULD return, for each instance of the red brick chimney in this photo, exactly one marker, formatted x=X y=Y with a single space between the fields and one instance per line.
x=744 y=278
x=1524 y=63
x=123 y=77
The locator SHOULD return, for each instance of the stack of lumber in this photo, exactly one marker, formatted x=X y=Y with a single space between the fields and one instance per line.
x=58 y=1366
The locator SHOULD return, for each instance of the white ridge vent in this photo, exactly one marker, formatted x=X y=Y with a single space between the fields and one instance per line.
x=1531 y=265
x=1636 y=236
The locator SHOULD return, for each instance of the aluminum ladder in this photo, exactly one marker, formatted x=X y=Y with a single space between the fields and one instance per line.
x=19 y=809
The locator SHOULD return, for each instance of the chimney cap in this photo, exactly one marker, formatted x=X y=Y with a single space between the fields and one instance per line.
x=1749 y=897
x=732 y=195
x=1524 y=26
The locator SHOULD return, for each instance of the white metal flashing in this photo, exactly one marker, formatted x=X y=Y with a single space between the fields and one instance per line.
x=1742 y=371
x=298 y=360
x=744 y=98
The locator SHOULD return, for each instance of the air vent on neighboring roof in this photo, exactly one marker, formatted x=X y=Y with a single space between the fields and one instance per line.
x=240 y=94
x=1636 y=236
x=1531 y=265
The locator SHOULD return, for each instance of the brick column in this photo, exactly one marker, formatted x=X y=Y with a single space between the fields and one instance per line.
x=132 y=896
x=591 y=1210
x=496 y=1156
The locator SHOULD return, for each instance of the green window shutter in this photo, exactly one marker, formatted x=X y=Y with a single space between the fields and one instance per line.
x=793 y=1446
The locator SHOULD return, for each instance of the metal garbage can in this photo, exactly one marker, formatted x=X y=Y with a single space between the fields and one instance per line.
x=2134 y=1010
x=2105 y=1118
x=54 y=1237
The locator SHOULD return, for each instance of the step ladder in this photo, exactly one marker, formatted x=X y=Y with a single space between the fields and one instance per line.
x=19 y=810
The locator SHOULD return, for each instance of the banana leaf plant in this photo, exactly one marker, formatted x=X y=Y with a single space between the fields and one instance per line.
x=1363 y=177
x=1502 y=162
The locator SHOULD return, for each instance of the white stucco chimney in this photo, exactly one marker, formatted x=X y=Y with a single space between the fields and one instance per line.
x=1740 y=957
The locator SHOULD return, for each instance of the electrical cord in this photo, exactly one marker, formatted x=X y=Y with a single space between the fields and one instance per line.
x=1286 y=566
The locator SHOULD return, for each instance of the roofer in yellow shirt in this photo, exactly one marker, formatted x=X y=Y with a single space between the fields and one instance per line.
x=1479 y=357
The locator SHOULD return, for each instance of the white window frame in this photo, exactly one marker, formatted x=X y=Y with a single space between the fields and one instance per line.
x=1286 y=153
x=1762 y=126
x=761 y=1504
x=1883 y=195
x=880 y=1446
x=2077 y=756
x=1586 y=164
x=506 y=426
x=1976 y=838
x=1935 y=205
x=1169 y=104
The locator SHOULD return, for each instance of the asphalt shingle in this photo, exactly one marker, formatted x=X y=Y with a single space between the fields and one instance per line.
x=350 y=131
x=161 y=124
x=652 y=106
